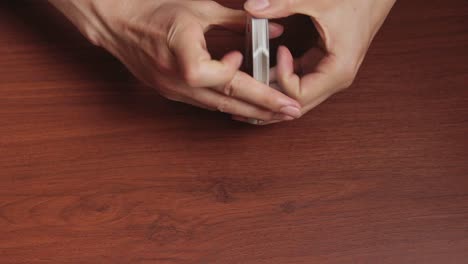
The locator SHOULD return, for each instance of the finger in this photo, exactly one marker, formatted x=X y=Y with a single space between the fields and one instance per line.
x=278 y=8
x=285 y=74
x=306 y=64
x=328 y=77
x=183 y=98
x=256 y=121
x=271 y=123
x=236 y=21
x=209 y=100
x=276 y=30
x=245 y=88
x=250 y=121
x=195 y=63
x=276 y=86
x=274 y=71
x=273 y=75
x=213 y=100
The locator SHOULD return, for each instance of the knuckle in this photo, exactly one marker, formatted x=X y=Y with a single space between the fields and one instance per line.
x=229 y=90
x=193 y=76
x=163 y=62
x=223 y=106
x=164 y=66
x=93 y=37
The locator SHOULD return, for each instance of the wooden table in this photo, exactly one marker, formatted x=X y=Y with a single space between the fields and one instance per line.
x=96 y=168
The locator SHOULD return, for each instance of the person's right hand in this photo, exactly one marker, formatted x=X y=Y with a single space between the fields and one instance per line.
x=163 y=44
x=346 y=28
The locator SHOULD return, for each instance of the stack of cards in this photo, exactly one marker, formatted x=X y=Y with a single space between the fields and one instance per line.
x=258 y=49
x=258 y=52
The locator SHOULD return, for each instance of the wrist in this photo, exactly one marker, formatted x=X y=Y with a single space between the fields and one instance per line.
x=82 y=13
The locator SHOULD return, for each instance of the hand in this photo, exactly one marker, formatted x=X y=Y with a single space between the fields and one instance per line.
x=163 y=44
x=346 y=29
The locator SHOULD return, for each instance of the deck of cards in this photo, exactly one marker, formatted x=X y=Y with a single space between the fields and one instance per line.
x=258 y=52
x=258 y=49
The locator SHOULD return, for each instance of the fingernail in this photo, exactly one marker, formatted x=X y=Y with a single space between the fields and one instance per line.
x=291 y=111
x=257 y=5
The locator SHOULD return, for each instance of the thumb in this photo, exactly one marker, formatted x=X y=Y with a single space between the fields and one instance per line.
x=274 y=8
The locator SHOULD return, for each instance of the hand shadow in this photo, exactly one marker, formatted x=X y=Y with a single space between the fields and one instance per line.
x=39 y=22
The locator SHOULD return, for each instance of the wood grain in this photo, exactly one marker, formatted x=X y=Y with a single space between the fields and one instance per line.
x=95 y=168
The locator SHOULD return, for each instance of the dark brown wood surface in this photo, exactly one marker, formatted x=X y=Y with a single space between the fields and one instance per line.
x=96 y=168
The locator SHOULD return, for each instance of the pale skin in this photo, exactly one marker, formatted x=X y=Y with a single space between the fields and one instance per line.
x=162 y=43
